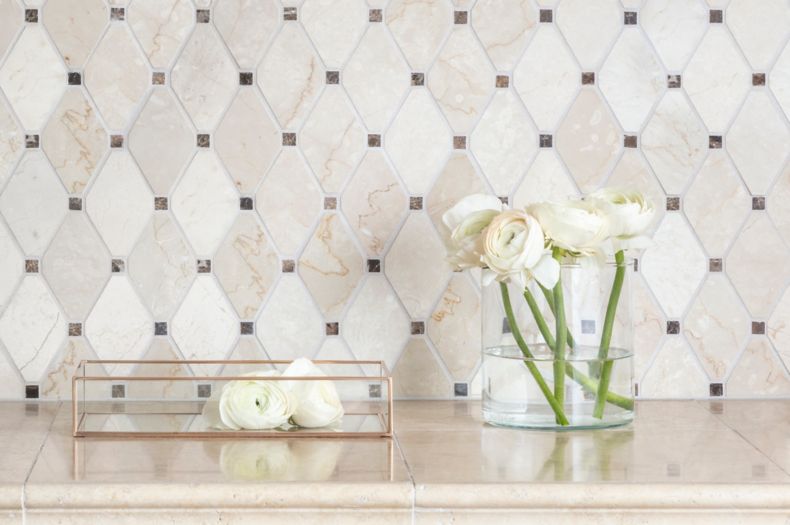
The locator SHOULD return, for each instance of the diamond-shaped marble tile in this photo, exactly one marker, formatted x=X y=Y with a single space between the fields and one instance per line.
x=12 y=385
x=12 y=139
x=716 y=326
x=74 y=140
x=759 y=141
x=780 y=80
x=674 y=141
x=204 y=77
x=675 y=27
x=758 y=373
x=33 y=203
x=162 y=140
x=632 y=170
x=32 y=328
x=546 y=180
x=419 y=28
x=632 y=79
x=416 y=265
x=649 y=325
x=161 y=350
x=504 y=29
x=376 y=327
x=119 y=202
x=33 y=86
x=418 y=141
x=247 y=140
x=716 y=204
x=11 y=264
x=335 y=26
x=291 y=76
x=205 y=326
x=457 y=180
x=546 y=77
x=290 y=325
x=374 y=203
x=247 y=27
x=588 y=140
x=418 y=374
x=330 y=265
x=332 y=139
x=76 y=265
x=461 y=79
x=778 y=327
x=759 y=265
x=246 y=265
x=161 y=27
x=289 y=200
x=117 y=76
x=717 y=78
x=205 y=203
x=161 y=267
x=454 y=327
x=759 y=30
x=780 y=215
x=504 y=141
x=56 y=383
x=674 y=266
x=12 y=18
x=75 y=27
x=376 y=77
x=590 y=28
x=674 y=374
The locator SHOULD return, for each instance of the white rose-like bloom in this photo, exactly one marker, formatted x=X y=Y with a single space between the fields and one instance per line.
x=317 y=402
x=466 y=222
x=577 y=226
x=255 y=404
x=629 y=214
x=514 y=248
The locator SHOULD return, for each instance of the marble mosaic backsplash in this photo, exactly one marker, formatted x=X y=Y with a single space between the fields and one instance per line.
x=255 y=179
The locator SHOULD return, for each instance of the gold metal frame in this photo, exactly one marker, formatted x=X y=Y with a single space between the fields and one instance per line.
x=77 y=417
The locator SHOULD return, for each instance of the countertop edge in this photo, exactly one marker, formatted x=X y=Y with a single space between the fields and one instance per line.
x=10 y=496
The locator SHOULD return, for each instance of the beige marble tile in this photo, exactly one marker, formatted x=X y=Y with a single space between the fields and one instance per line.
x=674 y=373
x=504 y=28
x=75 y=26
x=545 y=180
x=418 y=374
x=458 y=179
x=247 y=27
x=760 y=32
x=649 y=325
x=161 y=27
x=590 y=28
x=419 y=29
x=161 y=350
x=56 y=383
x=11 y=141
x=780 y=80
x=12 y=16
x=335 y=27
x=780 y=215
x=12 y=265
x=633 y=171
x=759 y=373
x=675 y=27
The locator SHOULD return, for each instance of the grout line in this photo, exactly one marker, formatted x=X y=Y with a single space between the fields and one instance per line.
x=396 y=441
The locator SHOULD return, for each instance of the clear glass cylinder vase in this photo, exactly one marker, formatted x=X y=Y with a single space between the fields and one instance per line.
x=542 y=372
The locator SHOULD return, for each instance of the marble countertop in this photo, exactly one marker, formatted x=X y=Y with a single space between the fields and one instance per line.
x=721 y=462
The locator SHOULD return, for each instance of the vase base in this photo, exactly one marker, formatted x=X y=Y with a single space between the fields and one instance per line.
x=546 y=421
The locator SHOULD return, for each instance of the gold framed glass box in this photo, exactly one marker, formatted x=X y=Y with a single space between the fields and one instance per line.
x=173 y=398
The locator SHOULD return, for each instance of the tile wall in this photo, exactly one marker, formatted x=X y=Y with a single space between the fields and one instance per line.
x=245 y=178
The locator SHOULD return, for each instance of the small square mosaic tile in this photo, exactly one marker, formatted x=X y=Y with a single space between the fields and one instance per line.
x=160 y=328
x=204 y=391
x=117 y=266
x=333 y=77
x=545 y=141
x=758 y=79
x=160 y=203
x=31 y=266
x=330 y=203
x=502 y=81
x=715 y=265
x=75 y=329
x=245 y=78
x=418 y=79
x=332 y=328
x=629 y=141
x=158 y=78
x=674 y=81
x=246 y=203
x=375 y=15
x=247 y=328
x=203 y=140
x=32 y=141
x=374 y=265
x=673 y=203
x=117 y=13
x=546 y=16
x=716 y=389
x=289 y=14
x=204 y=266
x=716 y=16
x=31 y=16
x=415 y=203
x=116 y=141
x=75 y=203
x=758 y=327
x=31 y=391
x=630 y=18
x=673 y=327
x=203 y=16
x=74 y=78
x=461 y=17
x=374 y=141
x=758 y=203
x=461 y=389
x=588 y=78
x=417 y=328
x=288 y=266
x=459 y=142
x=289 y=139
x=715 y=142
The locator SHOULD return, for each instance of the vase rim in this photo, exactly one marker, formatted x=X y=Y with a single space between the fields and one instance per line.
x=542 y=353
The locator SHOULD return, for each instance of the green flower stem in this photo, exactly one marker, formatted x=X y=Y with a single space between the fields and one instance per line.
x=562 y=338
x=606 y=335
x=550 y=300
x=533 y=369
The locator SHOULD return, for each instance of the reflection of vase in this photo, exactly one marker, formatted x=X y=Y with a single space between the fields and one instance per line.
x=280 y=460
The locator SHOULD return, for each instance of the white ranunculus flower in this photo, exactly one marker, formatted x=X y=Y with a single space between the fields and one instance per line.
x=577 y=226
x=318 y=404
x=466 y=221
x=629 y=215
x=256 y=404
x=514 y=248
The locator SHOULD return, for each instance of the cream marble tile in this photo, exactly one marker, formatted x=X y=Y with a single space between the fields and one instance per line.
x=290 y=325
x=75 y=26
x=416 y=265
x=454 y=327
x=675 y=27
x=247 y=348
x=247 y=27
x=779 y=80
x=759 y=141
x=247 y=140
x=11 y=141
x=76 y=265
x=205 y=327
x=32 y=328
x=759 y=373
x=758 y=265
x=759 y=32
x=649 y=325
x=374 y=203
x=246 y=265
x=56 y=383
x=12 y=18
x=117 y=76
x=376 y=77
x=161 y=266
x=12 y=264
x=780 y=215
x=331 y=265
x=12 y=384
x=161 y=27
x=590 y=28
x=504 y=27
x=457 y=180
x=74 y=140
x=418 y=375
x=161 y=350
x=205 y=203
x=546 y=180
x=674 y=266
x=717 y=79
x=632 y=171
x=289 y=201
x=33 y=87
x=419 y=28
x=418 y=141
x=461 y=79
x=376 y=327
x=716 y=204
x=33 y=203
x=162 y=140
x=632 y=79
x=204 y=77
x=119 y=202
x=332 y=139
x=777 y=329
x=504 y=141
x=674 y=373
x=334 y=26
x=22 y=434
x=547 y=77
x=674 y=141
x=588 y=140
x=290 y=76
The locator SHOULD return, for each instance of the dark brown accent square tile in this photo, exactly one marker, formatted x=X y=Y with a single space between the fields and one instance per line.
x=117 y=13
x=246 y=328
x=31 y=16
x=288 y=266
x=204 y=391
x=204 y=266
x=461 y=17
x=160 y=203
x=333 y=77
x=588 y=78
x=245 y=78
x=629 y=141
x=117 y=265
x=74 y=78
x=546 y=16
x=417 y=328
x=418 y=79
x=415 y=203
x=506 y=326
x=502 y=81
x=673 y=327
x=715 y=265
x=118 y=391
x=31 y=266
x=75 y=203
x=636 y=264
x=758 y=79
x=673 y=203
x=545 y=140
x=32 y=141
x=75 y=329
x=116 y=141
x=160 y=328
x=330 y=203
x=158 y=78
x=716 y=389
x=289 y=139
x=203 y=140
x=203 y=16
x=630 y=18
x=31 y=391
x=636 y=389
x=674 y=81
x=504 y=200
x=245 y=203
x=332 y=328
x=459 y=142
x=374 y=141
x=716 y=16
x=758 y=203
x=375 y=15
x=758 y=327
x=461 y=389
x=714 y=142
x=374 y=265
x=289 y=14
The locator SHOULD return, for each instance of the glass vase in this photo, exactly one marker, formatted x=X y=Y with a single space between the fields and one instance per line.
x=542 y=370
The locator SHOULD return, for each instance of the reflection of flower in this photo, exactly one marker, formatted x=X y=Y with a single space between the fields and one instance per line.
x=318 y=404
x=280 y=460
